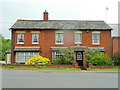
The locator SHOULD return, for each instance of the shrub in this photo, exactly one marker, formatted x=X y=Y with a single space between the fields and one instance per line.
x=101 y=60
x=116 y=58
x=90 y=53
x=66 y=58
x=58 y=61
x=37 y=59
x=98 y=58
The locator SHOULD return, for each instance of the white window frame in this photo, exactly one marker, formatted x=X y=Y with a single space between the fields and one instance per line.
x=22 y=57
x=56 y=54
x=98 y=38
x=62 y=38
x=80 y=37
x=33 y=38
x=18 y=37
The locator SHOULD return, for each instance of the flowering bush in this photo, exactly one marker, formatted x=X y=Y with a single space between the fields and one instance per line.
x=37 y=59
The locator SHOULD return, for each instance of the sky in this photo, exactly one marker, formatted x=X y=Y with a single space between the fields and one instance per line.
x=11 y=10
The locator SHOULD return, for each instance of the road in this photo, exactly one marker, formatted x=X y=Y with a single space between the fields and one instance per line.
x=58 y=79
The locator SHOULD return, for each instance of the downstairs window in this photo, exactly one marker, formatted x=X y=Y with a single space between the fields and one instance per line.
x=22 y=57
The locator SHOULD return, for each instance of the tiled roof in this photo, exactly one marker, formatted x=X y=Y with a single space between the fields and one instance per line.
x=83 y=48
x=26 y=48
x=61 y=25
x=58 y=48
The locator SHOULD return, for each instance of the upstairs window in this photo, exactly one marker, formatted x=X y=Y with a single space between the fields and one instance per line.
x=78 y=37
x=35 y=38
x=59 y=38
x=20 y=38
x=96 y=38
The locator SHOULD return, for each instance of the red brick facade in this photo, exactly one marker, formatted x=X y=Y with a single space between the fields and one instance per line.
x=47 y=40
x=116 y=44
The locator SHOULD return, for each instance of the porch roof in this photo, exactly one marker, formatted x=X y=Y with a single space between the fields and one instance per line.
x=83 y=48
x=97 y=48
x=58 y=48
x=26 y=48
x=78 y=48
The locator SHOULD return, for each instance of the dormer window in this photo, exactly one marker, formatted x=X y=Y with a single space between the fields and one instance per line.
x=35 y=38
x=20 y=38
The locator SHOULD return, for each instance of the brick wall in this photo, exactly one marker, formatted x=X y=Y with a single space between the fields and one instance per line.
x=116 y=44
x=47 y=40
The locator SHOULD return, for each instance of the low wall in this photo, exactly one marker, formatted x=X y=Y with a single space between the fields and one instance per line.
x=102 y=67
x=53 y=66
x=105 y=67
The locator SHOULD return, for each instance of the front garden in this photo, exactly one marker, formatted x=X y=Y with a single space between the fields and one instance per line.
x=65 y=62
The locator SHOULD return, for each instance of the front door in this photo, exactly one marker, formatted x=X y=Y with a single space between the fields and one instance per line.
x=79 y=58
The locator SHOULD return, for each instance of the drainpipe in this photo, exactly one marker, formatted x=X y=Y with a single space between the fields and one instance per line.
x=111 y=45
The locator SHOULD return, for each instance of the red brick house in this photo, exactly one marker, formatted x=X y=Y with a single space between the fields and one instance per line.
x=45 y=37
x=116 y=44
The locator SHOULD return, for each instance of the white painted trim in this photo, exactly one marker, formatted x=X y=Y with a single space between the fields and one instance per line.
x=78 y=31
x=20 y=31
x=95 y=31
x=20 y=43
x=59 y=31
x=35 y=31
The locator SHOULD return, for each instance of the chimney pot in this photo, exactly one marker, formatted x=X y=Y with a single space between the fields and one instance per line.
x=45 y=16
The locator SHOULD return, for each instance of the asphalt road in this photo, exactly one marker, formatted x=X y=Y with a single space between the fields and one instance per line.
x=58 y=79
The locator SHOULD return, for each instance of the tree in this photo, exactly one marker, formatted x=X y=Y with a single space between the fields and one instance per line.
x=5 y=44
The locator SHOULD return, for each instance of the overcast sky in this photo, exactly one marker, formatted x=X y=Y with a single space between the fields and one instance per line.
x=11 y=10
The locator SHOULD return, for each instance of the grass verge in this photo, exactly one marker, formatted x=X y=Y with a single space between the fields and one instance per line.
x=38 y=68
x=97 y=69
x=53 y=69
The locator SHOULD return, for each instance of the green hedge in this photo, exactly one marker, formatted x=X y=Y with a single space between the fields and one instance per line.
x=116 y=58
x=98 y=58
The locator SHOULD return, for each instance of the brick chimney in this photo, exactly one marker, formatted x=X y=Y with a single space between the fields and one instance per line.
x=45 y=16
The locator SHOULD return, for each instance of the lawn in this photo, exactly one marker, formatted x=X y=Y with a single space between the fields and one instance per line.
x=38 y=68
x=97 y=69
x=53 y=69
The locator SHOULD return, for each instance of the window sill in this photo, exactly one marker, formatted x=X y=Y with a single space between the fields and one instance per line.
x=77 y=43
x=20 y=43
x=96 y=44
x=35 y=43
x=59 y=43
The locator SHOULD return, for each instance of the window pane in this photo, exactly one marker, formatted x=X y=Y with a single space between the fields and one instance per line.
x=56 y=54
x=79 y=56
x=22 y=57
x=20 y=37
x=96 y=38
x=78 y=37
x=35 y=38
x=59 y=37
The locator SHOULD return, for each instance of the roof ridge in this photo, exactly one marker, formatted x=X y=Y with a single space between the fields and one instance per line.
x=63 y=20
